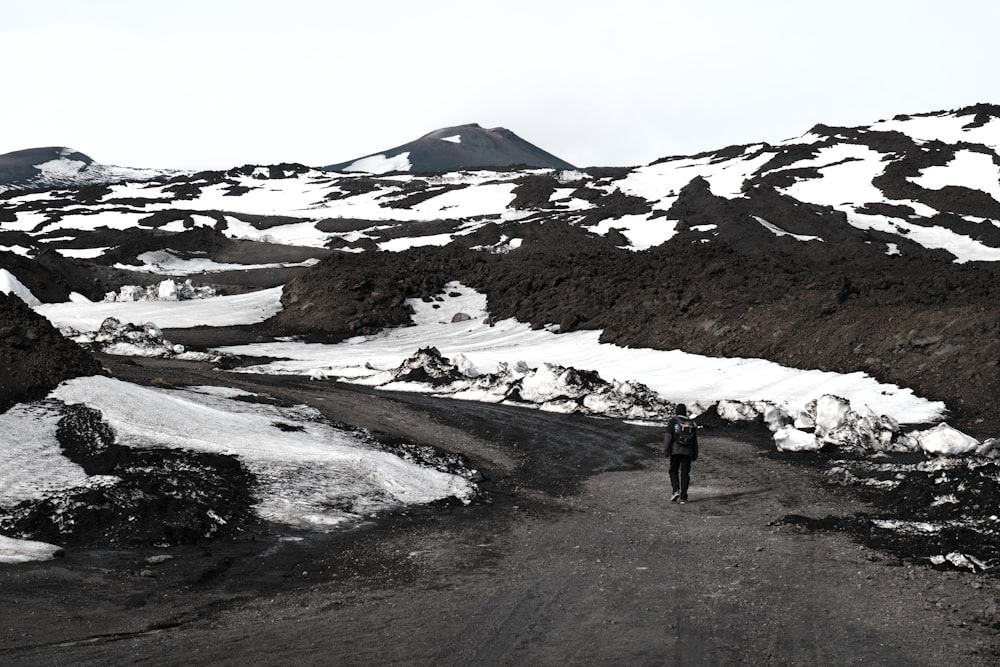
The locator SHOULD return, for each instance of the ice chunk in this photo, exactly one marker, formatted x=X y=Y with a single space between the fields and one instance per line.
x=791 y=439
x=832 y=414
x=737 y=411
x=945 y=441
x=167 y=291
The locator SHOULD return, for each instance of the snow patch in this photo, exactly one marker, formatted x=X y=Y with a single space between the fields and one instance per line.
x=310 y=473
x=167 y=262
x=674 y=375
x=11 y=285
x=380 y=164
x=969 y=169
x=23 y=551
x=778 y=231
x=217 y=311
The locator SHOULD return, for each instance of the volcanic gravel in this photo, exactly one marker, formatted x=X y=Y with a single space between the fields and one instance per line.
x=573 y=554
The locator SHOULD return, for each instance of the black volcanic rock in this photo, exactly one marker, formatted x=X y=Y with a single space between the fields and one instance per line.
x=454 y=148
x=34 y=356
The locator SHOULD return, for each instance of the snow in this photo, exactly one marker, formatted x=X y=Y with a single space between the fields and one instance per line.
x=32 y=464
x=946 y=441
x=675 y=375
x=9 y=284
x=23 y=551
x=791 y=439
x=310 y=475
x=219 y=311
x=455 y=139
x=964 y=248
x=165 y=290
x=135 y=190
x=468 y=202
x=27 y=221
x=847 y=171
x=726 y=178
x=167 y=263
x=380 y=164
x=959 y=560
x=295 y=233
x=16 y=249
x=562 y=197
x=90 y=219
x=180 y=225
x=947 y=128
x=134 y=340
x=82 y=253
x=405 y=242
x=968 y=169
x=642 y=231
x=660 y=183
x=293 y=197
x=778 y=231
x=61 y=168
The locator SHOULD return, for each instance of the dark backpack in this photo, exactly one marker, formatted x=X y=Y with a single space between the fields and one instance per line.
x=685 y=431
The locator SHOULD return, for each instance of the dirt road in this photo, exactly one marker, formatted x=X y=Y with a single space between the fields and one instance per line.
x=577 y=558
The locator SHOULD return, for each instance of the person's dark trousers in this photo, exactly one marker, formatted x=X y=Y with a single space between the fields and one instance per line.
x=680 y=473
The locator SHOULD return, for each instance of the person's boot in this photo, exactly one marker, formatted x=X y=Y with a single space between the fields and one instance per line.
x=673 y=498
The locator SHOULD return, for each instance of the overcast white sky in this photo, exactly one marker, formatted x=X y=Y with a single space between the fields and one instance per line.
x=220 y=83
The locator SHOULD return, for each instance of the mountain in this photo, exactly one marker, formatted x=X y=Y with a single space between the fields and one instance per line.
x=453 y=149
x=838 y=289
x=847 y=249
x=57 y=166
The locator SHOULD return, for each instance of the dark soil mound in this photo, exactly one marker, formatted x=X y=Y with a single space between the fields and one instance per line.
x=34 y=356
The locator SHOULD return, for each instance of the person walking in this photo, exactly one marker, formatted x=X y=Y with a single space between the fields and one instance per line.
x=680 y=443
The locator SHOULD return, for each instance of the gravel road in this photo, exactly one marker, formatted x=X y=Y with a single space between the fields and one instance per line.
x=577 y=557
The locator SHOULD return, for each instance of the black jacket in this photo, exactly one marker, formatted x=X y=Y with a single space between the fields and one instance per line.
x=672 y=449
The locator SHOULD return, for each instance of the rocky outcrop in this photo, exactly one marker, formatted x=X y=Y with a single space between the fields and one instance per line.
x=34 y=356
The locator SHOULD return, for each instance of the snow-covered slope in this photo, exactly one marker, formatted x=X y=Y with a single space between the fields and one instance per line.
x=883 y=203
x=58 y=166
x=897 y=186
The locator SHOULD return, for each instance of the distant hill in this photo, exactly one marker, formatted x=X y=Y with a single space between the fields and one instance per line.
x=58 y=166
x=454 y=148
